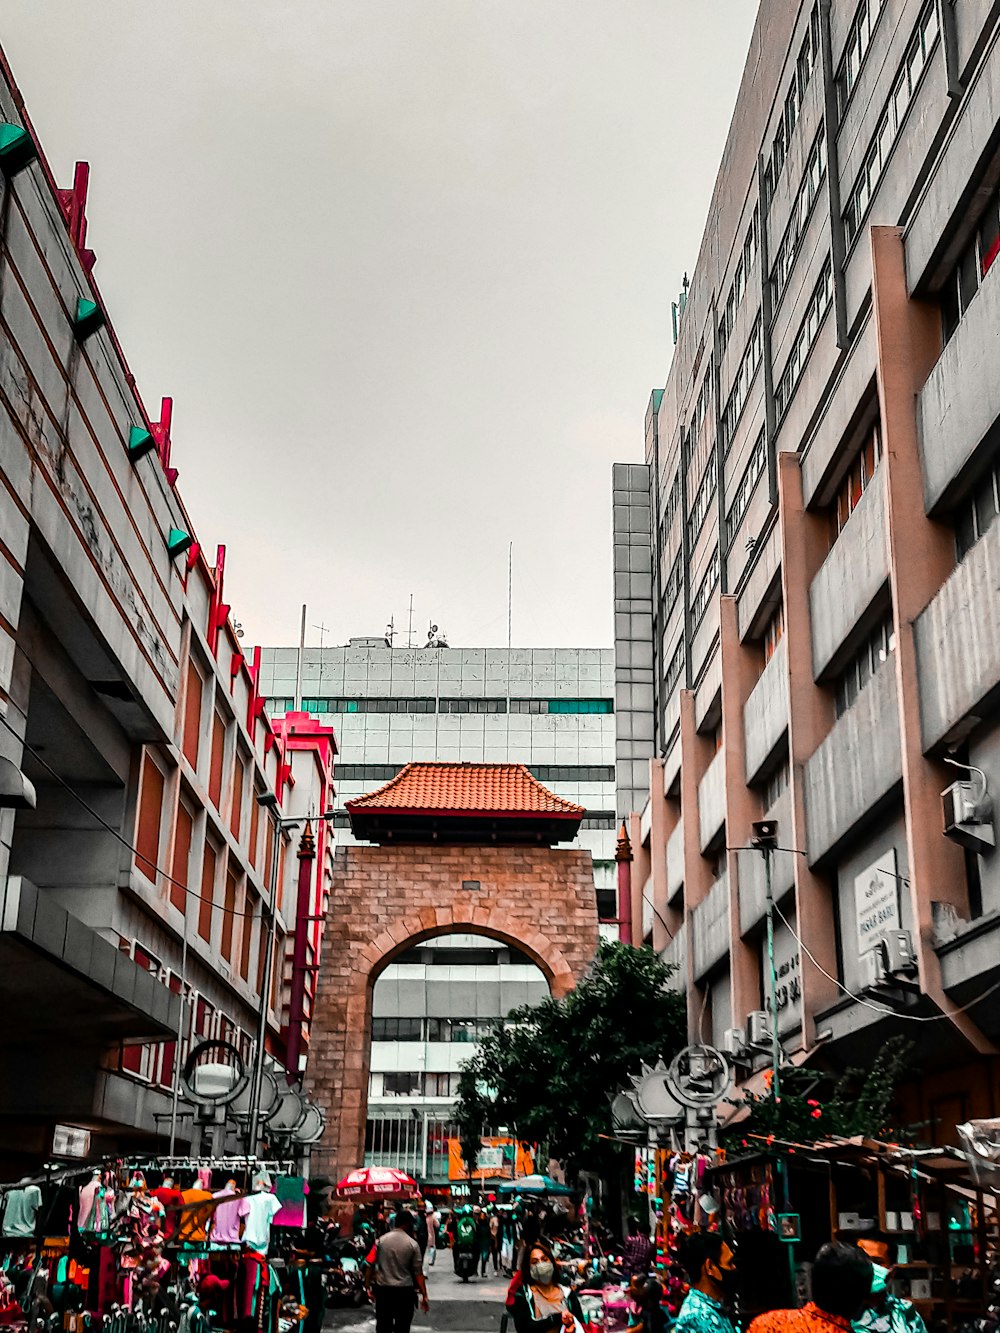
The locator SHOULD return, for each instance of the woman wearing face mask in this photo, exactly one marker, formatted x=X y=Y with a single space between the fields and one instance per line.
x=541 y=1304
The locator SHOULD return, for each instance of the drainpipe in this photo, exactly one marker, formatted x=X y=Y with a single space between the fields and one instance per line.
x=623 y=855
x=296 y=1005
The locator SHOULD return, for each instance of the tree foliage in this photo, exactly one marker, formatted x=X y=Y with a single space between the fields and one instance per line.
x=819 y=1106
x=550 y=1071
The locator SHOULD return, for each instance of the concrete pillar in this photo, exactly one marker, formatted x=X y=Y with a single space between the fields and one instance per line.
x=740 y=673
x=661 y=826
x=696 y=754
x=805 y=544
x=921 y=556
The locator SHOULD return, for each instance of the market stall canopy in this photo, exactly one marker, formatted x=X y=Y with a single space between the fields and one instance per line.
x=376 y=1182
x=536 y=1185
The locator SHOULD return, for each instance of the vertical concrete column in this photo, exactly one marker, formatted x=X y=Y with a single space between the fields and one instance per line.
x=696 y=755
x=661 y=826
x=921 y=556
x=804 y=547
x=740 y=672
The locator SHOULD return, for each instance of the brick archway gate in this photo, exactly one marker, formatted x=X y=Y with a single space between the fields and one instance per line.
x=385 y=899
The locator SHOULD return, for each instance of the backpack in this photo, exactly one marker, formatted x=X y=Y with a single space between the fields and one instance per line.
x=466 y=1231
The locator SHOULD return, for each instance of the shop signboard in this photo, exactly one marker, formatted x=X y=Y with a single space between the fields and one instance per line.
x=499 y=1158
x=876 y=902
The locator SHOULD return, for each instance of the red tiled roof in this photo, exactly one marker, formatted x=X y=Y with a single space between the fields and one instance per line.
x=496 y=789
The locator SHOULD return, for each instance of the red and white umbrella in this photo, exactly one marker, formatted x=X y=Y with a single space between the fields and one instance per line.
x=376 y=1182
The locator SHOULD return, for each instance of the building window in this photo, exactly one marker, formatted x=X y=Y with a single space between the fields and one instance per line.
x=703 y=593
x=147 y=836
x=917 y=55
x=192 y=714
x=773 y=632
x=775 y=786
x=180 y=866
x=804 y=66
x=978 y=511
x=741 y=281
x=672 y=588
x=755 y=468
x=671 y=505
x=865 y=663
x=855 y=484
x=703 y=499
x=229 y=916
x=207 y=893
x=977 y=259
x=218 y=758
x=571 y=773
x=246 y=944
x=673 y=672
x=819 y=303
x=598 y=819
x=281 y=705
x=473 y=705
x=401 y=1084
x=742 y=381
x=397 y=1029
x=858 y=40
x=788 y=247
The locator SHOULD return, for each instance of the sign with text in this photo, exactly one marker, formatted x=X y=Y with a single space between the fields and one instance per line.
x=498 y=1158
x=876 y=901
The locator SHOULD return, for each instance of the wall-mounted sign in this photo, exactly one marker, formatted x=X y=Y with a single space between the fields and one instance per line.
x=70 y=1141
x=876 y=901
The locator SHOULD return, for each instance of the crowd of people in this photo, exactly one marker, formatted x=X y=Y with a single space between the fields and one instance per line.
x=700 y=1287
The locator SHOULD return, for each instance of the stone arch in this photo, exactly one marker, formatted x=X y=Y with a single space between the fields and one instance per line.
x=386 y=899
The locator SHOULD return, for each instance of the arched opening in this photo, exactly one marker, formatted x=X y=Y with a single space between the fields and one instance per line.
x=430 y=1004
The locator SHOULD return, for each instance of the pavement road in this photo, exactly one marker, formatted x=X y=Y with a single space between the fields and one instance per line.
x=475 y=1306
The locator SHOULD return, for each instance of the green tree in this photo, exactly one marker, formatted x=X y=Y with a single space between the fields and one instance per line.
x=550 y=1071
x=819 y=1106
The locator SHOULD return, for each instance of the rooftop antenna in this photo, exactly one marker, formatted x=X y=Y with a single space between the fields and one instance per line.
x=510 y=587
x=409 y=631
x=390 y=631
x=298 y=662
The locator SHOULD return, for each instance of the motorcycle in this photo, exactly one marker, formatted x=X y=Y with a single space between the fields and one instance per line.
x=465 y=1264
x=344 y=1276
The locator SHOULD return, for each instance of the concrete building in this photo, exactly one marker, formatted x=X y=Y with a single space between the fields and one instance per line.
x=819 y=587
x=136 y=863
x=549 y=708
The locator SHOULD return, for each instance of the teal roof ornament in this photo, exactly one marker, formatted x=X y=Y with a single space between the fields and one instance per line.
x=178 y=541
x=17 y=148
x=140 y=443
x=89 y=318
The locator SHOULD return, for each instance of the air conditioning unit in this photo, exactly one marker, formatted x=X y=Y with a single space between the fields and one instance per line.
x=968 y=816
x=734 y=1043
x=759 y=1032
x=897 y=951
x=873 y=969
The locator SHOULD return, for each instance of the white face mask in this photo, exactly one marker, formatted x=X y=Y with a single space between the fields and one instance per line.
x=543 y=1273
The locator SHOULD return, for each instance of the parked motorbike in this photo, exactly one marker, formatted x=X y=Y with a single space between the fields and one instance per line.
x=344 y=1275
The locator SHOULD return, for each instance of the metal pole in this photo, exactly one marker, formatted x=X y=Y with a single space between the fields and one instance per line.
x=258 y=1069
x=178 y=1057
x=773 y=978
x=298 y=662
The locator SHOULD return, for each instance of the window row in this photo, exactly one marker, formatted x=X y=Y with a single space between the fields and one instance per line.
x=741 y=281
x=741 y=383
x=432 y=1029
x=854 y=485
x=773 y=632
x=670 y=507
x=858 y=41
x=696 y=442
x=703 y=595
x=775 y=786
x=819 y=303
x=788 y=247
x=674 y=669
x=804 y=66
x=755 y=468
x=977 y=513
x=903 y=89
x=414 y=1084
x=324 y=704
x=703 y=498
x=871 y=655
x=672 y=588
x=976 y=260
x=569 y=773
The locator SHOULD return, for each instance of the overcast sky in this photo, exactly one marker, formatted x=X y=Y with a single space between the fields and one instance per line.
x=406 y=268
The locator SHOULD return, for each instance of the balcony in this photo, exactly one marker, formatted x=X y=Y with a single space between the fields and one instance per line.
x=958 y=641
x=752 y=888
x=675 y=862
x=765 y=714
x=712 y=800
x=851 y=576
x=857 y=765
x=710 y=934
x=960 y=401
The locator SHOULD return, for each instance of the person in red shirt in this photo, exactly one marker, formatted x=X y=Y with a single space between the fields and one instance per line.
x=841 y=1288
